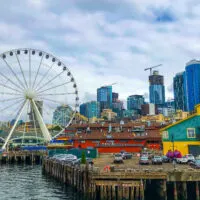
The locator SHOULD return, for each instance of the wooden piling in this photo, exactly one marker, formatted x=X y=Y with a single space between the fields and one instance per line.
x=197 y=190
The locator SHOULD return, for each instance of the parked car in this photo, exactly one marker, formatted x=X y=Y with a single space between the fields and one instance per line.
x=126 y=155
x=156 y=160
x=183 y=160
x=118 y=158
x=165 y=159
x=190 y=157
x=144 y=160
x=147 y=154
x=195 y=164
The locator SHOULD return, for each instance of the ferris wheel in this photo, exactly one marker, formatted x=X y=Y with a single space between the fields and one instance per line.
x=34 y=87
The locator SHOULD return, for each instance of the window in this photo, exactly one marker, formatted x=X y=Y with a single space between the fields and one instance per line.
x=165 y=135
x=191 y=133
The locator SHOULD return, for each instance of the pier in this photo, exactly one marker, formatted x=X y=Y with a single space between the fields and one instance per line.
x=130 y=183
x=28 y=157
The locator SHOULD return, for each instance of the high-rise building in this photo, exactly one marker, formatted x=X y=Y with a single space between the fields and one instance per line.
x=118 y=107
x=134 y=102
x=192 y=83
x=148 y=109
x=104 y=97
x=115 y=97
x=179 y=91
x=156 y=89
x=62 y=115
x=32 y=116
x=90 y=109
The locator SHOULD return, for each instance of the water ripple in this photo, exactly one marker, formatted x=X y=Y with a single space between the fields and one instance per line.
x=27 y=183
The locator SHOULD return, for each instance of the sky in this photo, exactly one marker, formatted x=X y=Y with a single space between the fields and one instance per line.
x=107 y=41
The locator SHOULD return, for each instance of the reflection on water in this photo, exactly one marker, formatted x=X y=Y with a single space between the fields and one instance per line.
x=26 y=182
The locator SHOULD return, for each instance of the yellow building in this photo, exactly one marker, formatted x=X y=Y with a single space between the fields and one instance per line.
x=109 y=114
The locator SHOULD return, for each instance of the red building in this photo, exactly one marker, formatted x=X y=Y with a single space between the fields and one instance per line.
x=112 y=138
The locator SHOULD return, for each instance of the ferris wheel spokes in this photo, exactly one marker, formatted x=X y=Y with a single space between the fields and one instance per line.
x=15 y=124
x=38 y=71
x=42 y=125
x=49 y=81
x=21 y=70
x=13 y=72
x=43 y=78
x=9 y=80
x=54 y=87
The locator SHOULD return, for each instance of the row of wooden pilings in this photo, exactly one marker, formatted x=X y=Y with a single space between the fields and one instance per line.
x=118 y=186
x=27 y=157
x=77 y=177
x=85 y=179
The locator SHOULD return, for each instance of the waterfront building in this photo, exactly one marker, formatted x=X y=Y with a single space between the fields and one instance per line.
x=104 y=97
x=62 y=115
x=134 y=102
x=114 y=137
x=192 y=83
x=180 y=92
x=108 y=114
x=183 y=135
x=90 y=109
x=156 y=89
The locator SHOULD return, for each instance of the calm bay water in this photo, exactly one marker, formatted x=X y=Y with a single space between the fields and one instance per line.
x=28 y=183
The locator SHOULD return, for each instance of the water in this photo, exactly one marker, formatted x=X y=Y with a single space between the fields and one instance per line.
x=26 y=182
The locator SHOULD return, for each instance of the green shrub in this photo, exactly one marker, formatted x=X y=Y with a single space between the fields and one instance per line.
x=83 y=158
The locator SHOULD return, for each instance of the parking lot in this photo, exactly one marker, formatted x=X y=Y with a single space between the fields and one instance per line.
x=107 y=160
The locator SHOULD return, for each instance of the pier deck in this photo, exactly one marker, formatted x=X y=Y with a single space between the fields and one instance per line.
x=128 y=180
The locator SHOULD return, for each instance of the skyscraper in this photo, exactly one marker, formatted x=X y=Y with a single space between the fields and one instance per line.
x=62 y=115
x=179 y=91
x=104 y=97
x=156 y=89
x=134 y=102
x=115 y=97
x=192 y=83
x=90 y=109
x=32 y=116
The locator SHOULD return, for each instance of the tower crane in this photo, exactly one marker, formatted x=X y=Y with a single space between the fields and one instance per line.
x=109 y=84
x=150 y=68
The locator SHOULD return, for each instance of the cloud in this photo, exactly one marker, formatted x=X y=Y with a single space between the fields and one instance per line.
x=107 y=41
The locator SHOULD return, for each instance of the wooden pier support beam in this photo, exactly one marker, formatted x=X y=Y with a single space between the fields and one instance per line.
x=113 y=193
x=184 y=190
x=175 y=191
x=197 y=190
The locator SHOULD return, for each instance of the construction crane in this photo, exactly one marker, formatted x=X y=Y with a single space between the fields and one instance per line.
x=109 y=84
x=150 y=68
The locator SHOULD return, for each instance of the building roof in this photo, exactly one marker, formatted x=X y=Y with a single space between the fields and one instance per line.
x=183 y=120
x=95 y=135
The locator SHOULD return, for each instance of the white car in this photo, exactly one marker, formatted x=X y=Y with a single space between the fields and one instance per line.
x=190 y=157
x=183 y=160
x=118 y=158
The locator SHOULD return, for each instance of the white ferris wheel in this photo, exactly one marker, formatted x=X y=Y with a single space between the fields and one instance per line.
x=34 y=86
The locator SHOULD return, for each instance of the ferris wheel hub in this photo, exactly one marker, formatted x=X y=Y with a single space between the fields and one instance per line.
x=30 y=93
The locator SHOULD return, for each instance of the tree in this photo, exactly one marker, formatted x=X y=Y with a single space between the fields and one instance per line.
x=83 y=158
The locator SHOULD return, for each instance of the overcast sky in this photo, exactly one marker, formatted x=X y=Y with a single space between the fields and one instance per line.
x=107 y=41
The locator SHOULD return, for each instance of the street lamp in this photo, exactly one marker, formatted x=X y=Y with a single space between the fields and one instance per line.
x=172 y=140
